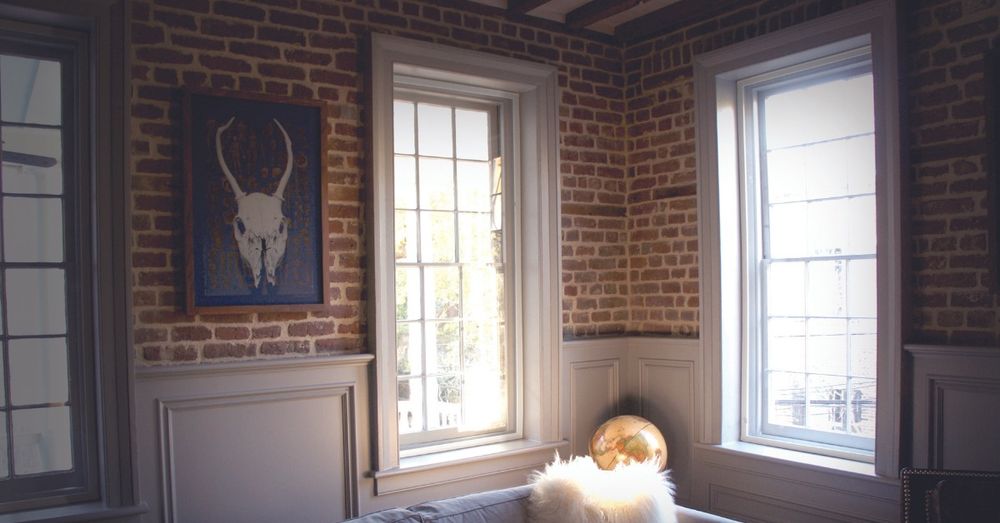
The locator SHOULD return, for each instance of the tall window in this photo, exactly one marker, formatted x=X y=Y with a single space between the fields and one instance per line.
x=800 y=234
x=45 y=400
x=464 y=260
x=453 y=354
x=810 y=220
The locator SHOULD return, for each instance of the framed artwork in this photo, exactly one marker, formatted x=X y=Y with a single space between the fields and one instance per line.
x=255 y=212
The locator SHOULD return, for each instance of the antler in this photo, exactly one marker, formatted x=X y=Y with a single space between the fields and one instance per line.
x=222 y=161
x=288 y=167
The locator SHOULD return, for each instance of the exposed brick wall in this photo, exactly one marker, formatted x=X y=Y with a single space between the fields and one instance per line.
x=951 y=280
x=309 y=49
x=662 y=199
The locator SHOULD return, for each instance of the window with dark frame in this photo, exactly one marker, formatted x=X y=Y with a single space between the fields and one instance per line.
x=48 y=451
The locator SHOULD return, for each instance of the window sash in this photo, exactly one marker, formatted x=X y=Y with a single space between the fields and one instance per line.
x=750 y=92
x=449 y=438
x=79 y=483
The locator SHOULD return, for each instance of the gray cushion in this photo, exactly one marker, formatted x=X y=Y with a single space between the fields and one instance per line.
x=394 y=515
x=508 y=506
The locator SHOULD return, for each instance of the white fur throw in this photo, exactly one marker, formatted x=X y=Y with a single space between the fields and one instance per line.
x=577 y=490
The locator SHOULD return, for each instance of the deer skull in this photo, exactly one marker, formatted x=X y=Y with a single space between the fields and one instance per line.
x=260 y=227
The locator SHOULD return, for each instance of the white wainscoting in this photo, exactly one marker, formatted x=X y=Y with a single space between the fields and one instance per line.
x=956 y=395
x=257 y=441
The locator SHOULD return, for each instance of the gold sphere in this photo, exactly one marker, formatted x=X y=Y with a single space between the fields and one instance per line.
x=628 y=439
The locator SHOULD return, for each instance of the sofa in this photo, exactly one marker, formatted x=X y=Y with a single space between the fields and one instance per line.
x=507 y=506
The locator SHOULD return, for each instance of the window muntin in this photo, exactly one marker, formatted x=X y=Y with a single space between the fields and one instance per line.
x=454 y=356
x=812 y=369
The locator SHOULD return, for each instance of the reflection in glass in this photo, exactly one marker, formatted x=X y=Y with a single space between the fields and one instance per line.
x=32 y=229
x=32 y=160
x=40 y=295
x=39 y=371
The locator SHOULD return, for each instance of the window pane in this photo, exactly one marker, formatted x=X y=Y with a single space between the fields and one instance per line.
x=481 y=342
x=30 y=90
x=434 y=128
x=4 y=441
x=406 y=236
x=786 y=344
x=437 y=184
x=827 y=227
x=437 y=237
x=786 y=398
x=827 y=288
x=475 y=240
x=408 y=293
x=827 y=403
x=485 y=395
x=482 y=292
x=861 y=408
x=786 y=282
x=474 y=186
x=42 y=440
x=442 y=347
x=32 y=229
x=40 y=295
x=405 y=182
x=787 y=225
x=861 y=341
x=402 y=127
x=826 y=346
x=32 y=160
x=794 y=117
x=861 y=288
x=410 y=407
x=441 y=287
x=39 y=372
x=444 y=406
x=472 y=134
x=409 y=343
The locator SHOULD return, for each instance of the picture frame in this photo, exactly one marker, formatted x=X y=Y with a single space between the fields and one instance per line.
x=255 y=203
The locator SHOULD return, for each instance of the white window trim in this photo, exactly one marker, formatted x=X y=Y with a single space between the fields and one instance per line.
x=534 y=88
x=719 y=229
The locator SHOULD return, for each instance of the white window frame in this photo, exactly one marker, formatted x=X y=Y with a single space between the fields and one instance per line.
x=756 y=429
x=501 y=106
x=723 y=284
x=532 y=90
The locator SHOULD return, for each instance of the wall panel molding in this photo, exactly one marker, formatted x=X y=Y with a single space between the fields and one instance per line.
x=951 y=388
x=253 y=440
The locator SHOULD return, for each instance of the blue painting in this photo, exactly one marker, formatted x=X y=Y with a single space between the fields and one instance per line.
x=255 y=202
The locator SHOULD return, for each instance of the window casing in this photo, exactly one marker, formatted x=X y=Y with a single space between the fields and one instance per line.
x=523 y=96
x=810 y=238
x=729 y=289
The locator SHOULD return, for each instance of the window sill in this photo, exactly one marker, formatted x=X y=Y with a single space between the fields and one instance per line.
x=74 y=513
x=464 y=464
x=766 y=455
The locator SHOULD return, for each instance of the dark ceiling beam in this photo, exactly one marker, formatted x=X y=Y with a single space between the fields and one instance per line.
x=523 y=6
x=593 y=12
x=673 y=17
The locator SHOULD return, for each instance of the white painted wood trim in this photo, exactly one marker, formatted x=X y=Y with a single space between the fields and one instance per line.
x=253 y=366
x=534 y=89
x=715 y=76
x=167 y=407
